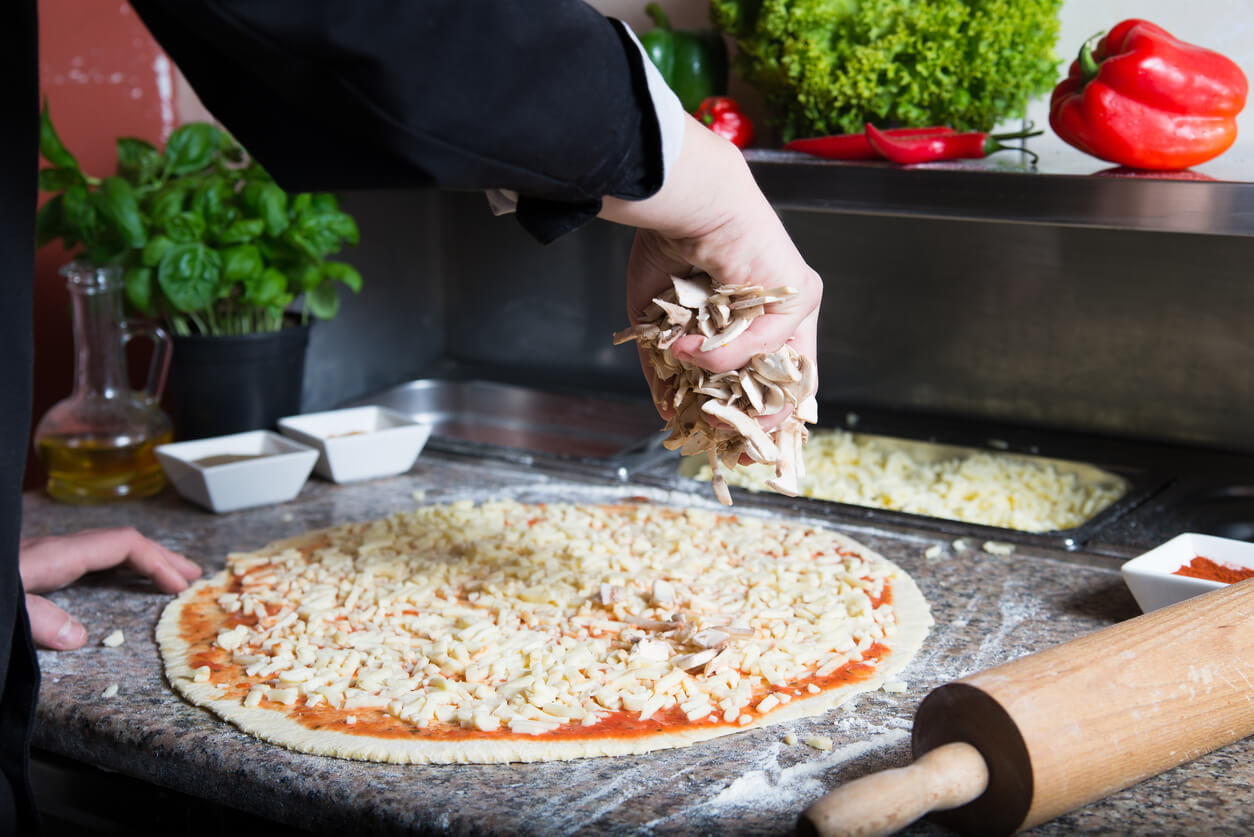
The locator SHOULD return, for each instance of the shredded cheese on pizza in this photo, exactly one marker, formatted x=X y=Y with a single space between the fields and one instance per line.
x=525 y=619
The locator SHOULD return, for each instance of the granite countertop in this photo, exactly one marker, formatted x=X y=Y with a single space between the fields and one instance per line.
x=988 y=609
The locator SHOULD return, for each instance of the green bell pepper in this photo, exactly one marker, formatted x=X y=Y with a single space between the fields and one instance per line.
x=693 y=61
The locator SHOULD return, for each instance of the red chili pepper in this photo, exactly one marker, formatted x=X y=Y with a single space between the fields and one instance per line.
x=856 y=146
x=926 y=149
x=722 y=115
x=1144 y=99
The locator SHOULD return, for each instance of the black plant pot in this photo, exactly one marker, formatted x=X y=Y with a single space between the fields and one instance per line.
x=222 y=385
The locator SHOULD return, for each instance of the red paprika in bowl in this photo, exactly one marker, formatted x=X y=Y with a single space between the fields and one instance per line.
x=1147 y=100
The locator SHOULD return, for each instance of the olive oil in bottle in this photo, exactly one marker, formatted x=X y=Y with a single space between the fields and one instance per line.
x=84 y=469
x=98 y=443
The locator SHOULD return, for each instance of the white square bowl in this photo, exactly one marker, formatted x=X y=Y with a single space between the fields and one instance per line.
x=1151 y=576
x=359 y=443
x=272 y=471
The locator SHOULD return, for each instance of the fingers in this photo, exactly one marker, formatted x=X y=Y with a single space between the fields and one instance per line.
x=51 y=563
x=51 y=627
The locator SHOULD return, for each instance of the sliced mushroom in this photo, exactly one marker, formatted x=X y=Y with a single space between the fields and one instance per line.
x=636 y=332
x=773 y=399
x=668 y=338
x=745 y=425
x=809 y=383
x=716 y=413
x=717 y=481
x=752 y=389
x=776 y=367
x=711 y=638
x=675 y=314
x=720 y=313
x=690 y=661
x=648 y=624
x=808 y=410
x=731 y=332
x=718 y=392
x=693 y=291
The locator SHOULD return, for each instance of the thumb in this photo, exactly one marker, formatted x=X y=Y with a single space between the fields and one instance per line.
x=52 y=627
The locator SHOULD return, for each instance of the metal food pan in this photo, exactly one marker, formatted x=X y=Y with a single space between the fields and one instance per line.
x=487 y=419
x=677 y=472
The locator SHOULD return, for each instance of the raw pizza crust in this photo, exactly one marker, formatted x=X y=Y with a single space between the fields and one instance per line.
x=275 y=722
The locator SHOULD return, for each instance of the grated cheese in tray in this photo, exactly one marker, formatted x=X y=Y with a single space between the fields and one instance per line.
x=1001 y=490
x=526 y=618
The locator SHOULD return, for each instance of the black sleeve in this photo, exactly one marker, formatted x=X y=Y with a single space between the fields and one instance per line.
x=546 y=98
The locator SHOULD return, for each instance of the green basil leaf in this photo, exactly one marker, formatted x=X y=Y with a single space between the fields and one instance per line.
x=209 y=199
x=138 y=284
x=138 y=160
x=155 y=250
x=185 y=227
x=116 y=201
x=343 y=273
x=303 y=245
x=191 y=147
x=324 y=202
x=300 y=204
x=242 y=231
x=323 y=301
x=50 y=144
x=79 y=214
x=58 y=179
x=266 y=288
x=307 y=276
x=272 y=206
x=165 y=204
x=231 y=150
x=241 y=263
x=50 y=224
x=189 y=275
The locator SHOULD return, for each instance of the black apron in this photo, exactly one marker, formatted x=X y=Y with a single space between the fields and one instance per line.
x=548 y=99
x=19 y=136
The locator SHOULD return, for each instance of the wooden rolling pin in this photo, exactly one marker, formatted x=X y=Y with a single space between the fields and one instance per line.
x=1019 y=744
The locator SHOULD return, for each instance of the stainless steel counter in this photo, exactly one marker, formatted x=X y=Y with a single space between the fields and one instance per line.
x=988 y=609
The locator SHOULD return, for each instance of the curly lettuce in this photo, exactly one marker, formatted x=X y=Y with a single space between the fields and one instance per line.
x=831 y=66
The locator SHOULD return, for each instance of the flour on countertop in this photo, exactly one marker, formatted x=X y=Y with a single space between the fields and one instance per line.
x=767 y=786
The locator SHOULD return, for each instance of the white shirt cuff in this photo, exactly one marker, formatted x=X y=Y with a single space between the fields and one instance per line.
x=671 y=115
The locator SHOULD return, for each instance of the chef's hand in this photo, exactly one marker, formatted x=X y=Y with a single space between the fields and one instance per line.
x=53 y=562
x=711 y=216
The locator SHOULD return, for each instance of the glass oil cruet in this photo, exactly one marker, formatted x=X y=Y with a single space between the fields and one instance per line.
x=97 y=444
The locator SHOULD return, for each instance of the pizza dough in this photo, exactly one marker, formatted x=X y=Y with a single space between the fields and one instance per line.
x=508 y=632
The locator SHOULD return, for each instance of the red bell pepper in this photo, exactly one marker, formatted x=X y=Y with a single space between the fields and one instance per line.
x=856 y=146
x=722 y=115
x=1144 y=99
x=932 y=147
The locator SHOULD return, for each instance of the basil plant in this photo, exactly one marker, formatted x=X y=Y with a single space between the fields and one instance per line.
x=208 y=242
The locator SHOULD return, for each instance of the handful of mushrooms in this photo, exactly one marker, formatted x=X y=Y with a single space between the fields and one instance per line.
x=717 y=412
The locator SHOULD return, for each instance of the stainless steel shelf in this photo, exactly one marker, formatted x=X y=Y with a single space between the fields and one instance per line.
x=1067 y=188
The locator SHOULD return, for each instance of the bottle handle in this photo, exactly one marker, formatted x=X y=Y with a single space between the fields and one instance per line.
x=159 y=368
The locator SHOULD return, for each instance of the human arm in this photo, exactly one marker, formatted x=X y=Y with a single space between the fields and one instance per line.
x=50 y=563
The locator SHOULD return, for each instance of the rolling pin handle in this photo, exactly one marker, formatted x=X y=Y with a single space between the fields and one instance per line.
x=884 y=803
